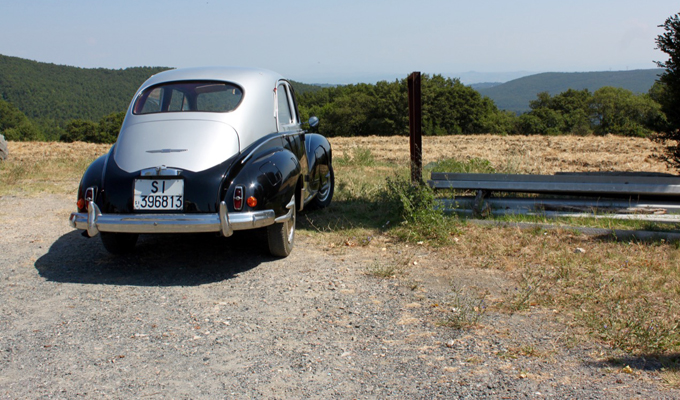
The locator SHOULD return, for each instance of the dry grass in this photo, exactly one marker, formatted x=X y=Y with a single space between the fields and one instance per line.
x=625 y=293
x=523 y=154
x=56 y=167
x=36 y=167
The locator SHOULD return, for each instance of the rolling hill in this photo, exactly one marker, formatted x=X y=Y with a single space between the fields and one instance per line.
x=515 y=95
x=60 y=93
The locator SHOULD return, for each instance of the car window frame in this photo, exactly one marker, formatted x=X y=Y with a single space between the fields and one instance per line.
x=292 y=107
x=144 y=94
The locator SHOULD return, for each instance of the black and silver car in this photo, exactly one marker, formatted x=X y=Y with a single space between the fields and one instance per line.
x=207 y=150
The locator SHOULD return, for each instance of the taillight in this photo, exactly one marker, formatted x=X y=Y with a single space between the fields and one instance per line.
x=90 y=194
x=239 y=193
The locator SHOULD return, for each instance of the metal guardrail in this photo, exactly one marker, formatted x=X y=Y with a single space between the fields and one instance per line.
x=577 y=184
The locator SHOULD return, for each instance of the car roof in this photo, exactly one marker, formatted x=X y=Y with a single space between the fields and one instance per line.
x=254 y=118
x=247 y=78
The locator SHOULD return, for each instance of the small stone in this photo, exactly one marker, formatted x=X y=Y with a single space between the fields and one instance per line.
x=579 y=250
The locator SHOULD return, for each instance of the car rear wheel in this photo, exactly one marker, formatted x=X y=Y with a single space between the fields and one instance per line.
x=119 y=243
x=281 y=236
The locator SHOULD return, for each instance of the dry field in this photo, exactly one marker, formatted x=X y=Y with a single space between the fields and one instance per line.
x=528 y=154
x=523 y=154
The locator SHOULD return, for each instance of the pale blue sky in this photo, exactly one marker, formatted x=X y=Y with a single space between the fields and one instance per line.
x=340 y=41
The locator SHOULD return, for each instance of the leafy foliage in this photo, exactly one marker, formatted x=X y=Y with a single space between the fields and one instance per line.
x=14 y=125
x=61 y=93
x=668 y=90
x=448 y=106
x=106 y=131
x=422 y=218
x=608 y=110
x=619 y=111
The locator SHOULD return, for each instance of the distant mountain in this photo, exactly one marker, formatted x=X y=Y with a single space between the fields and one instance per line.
x=515 y=95
x=484 y=85
x=473 y=77
x=59 y=93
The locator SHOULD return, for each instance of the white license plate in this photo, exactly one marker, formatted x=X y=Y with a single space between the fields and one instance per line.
x=158 y=194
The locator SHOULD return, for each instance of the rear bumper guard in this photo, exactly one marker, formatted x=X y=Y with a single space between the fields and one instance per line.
x=225 y=223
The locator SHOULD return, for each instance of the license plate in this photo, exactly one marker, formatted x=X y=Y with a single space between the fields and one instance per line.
x=159 y=194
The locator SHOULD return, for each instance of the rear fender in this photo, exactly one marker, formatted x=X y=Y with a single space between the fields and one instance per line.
x=271 y=179
x=93 y=177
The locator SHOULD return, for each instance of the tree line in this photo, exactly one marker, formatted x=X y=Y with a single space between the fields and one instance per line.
x=381 y=109
x=450 y=108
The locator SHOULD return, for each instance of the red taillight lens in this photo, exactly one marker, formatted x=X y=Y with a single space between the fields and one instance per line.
x=238 y=198
x=89 y=194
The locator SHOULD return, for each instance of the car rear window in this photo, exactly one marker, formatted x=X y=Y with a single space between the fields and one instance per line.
x=205 y=96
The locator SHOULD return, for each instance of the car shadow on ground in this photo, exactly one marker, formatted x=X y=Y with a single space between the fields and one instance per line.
x=158 y=260
x=643 y=362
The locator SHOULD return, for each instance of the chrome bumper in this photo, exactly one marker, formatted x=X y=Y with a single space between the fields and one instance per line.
x=223 y=222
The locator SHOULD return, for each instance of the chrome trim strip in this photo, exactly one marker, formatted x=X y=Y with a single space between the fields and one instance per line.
x=160 y=171
x=225 y=223
x=289 y=214
x=165 y=151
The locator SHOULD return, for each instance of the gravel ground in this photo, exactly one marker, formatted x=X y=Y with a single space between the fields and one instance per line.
x=206 y=317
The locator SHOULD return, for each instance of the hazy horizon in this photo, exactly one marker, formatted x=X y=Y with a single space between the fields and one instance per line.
x=341 y=42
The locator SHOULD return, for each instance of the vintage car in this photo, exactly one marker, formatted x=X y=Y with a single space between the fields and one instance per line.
x=207 y=150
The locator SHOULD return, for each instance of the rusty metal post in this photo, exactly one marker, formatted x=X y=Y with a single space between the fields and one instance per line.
x=415 y=117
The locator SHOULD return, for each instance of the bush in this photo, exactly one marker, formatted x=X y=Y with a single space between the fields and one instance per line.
x=620 y=112
x=422 y=218
x=14 y=125
x=106 y=131
x=471 y=166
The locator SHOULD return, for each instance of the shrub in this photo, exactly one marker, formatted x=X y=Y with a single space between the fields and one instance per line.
x=422 y=218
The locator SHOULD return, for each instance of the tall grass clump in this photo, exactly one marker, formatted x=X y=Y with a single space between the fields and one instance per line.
x=471 y=166
x=357 y=157
x=422 y=218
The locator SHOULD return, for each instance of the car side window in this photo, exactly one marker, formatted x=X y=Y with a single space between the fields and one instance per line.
x=285 y=116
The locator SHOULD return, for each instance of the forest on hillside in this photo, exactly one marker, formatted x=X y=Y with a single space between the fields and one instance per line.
x=515 y=95
x=42 y=101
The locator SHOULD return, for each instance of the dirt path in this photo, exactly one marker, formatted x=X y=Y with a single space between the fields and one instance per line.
x=204 y=317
